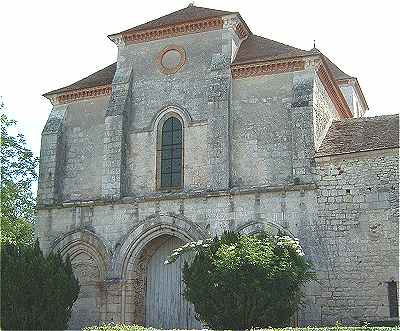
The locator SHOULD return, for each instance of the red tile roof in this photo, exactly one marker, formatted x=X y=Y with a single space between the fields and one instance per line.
x=253 y=49
x=259 y=49
x=102 y=77
x=361 y=134
x=188 y=14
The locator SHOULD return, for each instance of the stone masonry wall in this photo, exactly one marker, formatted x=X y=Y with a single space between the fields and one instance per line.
x=113 y=228
x=83 y=143
x=51 y=158
x=187 y=91
x=261 y=130
x=271 y=125
x=324 y=112
x=356 y=237
x=249 y=165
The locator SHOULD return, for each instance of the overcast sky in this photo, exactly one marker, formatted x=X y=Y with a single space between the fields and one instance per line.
x=49 y=44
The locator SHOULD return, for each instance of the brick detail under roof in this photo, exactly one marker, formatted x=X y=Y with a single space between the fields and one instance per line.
x=260 y=69
x=84 y=94
x=173 y=30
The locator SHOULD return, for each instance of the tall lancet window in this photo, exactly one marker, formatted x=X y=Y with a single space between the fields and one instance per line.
x=170 y=154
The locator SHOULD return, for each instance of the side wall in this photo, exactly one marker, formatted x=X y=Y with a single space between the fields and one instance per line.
x=83 y=143
x=358 y=227
x=71 y=157
x=271 y=129
x=324 y=112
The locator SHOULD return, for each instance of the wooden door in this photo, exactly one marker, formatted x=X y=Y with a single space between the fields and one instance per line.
x=166 y=308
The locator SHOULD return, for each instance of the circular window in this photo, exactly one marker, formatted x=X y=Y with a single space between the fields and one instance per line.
x=171 y=59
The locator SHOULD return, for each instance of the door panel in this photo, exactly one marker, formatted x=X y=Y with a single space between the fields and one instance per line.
x=165 y=305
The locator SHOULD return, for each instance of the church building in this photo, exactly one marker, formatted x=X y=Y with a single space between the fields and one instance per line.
x=201 y=126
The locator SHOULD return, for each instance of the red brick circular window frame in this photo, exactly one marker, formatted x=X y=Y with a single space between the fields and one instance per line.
x=182 y=61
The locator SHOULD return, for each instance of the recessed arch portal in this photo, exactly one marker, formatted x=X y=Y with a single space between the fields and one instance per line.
x=135 y=253
x=89 y=259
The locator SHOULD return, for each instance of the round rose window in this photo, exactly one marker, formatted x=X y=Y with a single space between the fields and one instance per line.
x=172 y=59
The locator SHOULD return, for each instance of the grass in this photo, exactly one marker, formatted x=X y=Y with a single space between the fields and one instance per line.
x=126 y=327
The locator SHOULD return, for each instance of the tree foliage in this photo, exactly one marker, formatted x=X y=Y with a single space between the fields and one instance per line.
x=242 y=282
x=18 y=172
x=37 y=291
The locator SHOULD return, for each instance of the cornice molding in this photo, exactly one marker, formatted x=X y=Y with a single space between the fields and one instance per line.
x=270 y=68
x=174 y=30
x=333 y=90
x=82 y=94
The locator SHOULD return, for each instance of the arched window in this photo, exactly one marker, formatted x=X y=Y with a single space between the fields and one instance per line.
x=170 y=154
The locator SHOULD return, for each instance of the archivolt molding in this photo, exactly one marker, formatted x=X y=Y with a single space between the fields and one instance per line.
x=83 y=241
x=153 y=226
x=165 y=111
x=254 y=227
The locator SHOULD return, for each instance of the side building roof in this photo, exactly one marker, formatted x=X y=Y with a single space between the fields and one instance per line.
x=361 y=134
x=102 y=77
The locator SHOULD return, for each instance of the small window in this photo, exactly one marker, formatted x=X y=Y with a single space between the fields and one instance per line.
x=393 y=299
x=170 y=154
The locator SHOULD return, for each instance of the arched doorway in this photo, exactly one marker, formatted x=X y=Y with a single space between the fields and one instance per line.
x=165 y=306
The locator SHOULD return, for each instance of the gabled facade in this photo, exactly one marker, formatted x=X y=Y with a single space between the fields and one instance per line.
x=200 y=127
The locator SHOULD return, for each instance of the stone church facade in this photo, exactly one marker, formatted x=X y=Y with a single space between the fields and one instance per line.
x=200 y=127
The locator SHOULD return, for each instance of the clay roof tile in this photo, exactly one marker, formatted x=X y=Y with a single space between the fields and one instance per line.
x=361 y=134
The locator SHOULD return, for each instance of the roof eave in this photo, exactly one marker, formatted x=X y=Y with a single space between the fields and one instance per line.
x=121 y=34
x=256 y=61
x=321 y=155
x=357 y=88
x=336 y=85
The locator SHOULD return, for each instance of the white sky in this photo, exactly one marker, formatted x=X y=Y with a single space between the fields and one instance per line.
x=47 y=44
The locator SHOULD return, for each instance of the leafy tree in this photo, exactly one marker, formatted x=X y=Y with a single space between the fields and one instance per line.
x=242 y=282
x=18 y=172
x=37 y=291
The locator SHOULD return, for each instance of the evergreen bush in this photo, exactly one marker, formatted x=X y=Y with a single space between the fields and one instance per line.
x=37 y=292
x=242 y=282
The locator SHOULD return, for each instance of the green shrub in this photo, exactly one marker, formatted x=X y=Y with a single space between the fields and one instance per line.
x=37 y=292
x=125 y=327
x=241 y=282
x=116 y=327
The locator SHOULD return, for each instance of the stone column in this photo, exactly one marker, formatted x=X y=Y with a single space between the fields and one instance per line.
x=115 y=135
x=219 y=92
x=51 y=158
x=302 y=127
